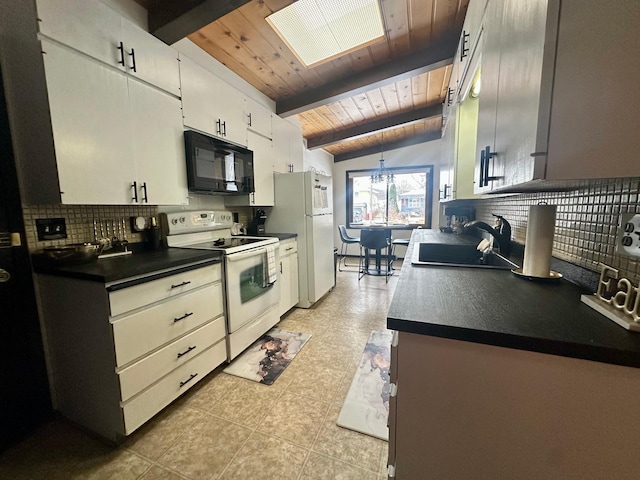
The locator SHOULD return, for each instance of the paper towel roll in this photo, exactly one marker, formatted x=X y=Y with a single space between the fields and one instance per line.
x=539 y=241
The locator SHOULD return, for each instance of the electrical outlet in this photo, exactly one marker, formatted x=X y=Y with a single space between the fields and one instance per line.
x=629 y=234
x=51 y=228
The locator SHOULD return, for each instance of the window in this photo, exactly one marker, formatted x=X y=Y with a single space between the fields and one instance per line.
x=404 y=201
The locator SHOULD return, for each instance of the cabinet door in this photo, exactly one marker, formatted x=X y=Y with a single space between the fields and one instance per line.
x=86 y=25
x=158 y=145
x=89 y=106
x=230 y=104
x=448 y=155
x=287 y=146
x=489 y=43
x=210 y=105
x=285 y=281
x=469 y=42
x=257 y=117
x=595 y=92
x=155 y=62
x=262 y=170
x=521 y=54
x=199 y=91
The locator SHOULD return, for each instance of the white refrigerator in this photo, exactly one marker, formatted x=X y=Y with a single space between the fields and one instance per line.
x=304 y=206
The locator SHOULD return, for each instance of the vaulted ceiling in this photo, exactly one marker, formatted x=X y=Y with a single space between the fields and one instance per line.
x=390 y=92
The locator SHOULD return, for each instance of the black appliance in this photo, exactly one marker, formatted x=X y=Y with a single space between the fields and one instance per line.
x=217 y=167
x=256 y=227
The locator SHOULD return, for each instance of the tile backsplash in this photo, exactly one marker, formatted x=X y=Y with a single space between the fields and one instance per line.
x=586 y=221
x=79 y=221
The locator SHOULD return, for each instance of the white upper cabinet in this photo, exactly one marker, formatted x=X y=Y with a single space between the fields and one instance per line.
x=150 y=59
x=287 y=146
x=257 y=117
x=93 y=151
x=158 y=145
x=551 y=79
x=93 y=28
x=468 y=43
x=263 y=196
x=129 y=153
x=210 y=105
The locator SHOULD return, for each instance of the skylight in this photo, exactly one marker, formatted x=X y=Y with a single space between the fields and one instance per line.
x=321 y=30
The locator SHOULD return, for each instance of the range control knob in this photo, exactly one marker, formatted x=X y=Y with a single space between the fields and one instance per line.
x=174 y=221
x=183 y=219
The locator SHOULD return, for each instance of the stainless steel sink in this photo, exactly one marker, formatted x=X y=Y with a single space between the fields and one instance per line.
x=452 y=255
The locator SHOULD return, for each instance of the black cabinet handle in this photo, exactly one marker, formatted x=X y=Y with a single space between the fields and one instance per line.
x=176 y=320
x=180 y=285
x=134 y=185
x=449 y=96
x=133 y=60
x=445 y=192
x=224 y=129
x=482 y=162
x=218 y=127
x=488 y=155
x=464 y=50
x=121 y=48
x=280 y=268
x=249 y=115
x=144 y=189
x=182 y=354
x=191 y=377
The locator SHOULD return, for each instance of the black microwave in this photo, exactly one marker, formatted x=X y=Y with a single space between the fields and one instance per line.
x=217 y=167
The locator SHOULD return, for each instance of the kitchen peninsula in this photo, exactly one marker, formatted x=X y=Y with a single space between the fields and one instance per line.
x=501 y=377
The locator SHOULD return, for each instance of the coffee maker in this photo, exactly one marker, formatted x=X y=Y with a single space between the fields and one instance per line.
x=256 y=227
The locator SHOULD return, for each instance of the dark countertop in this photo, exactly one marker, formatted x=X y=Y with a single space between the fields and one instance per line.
x=496 y=307
x=108 y=270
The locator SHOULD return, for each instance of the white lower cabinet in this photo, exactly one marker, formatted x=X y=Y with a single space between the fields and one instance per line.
x=466 y=410
x=119 y=353
x=289 y=292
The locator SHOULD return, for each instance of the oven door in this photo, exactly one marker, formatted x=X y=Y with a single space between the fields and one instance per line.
x=248 y=295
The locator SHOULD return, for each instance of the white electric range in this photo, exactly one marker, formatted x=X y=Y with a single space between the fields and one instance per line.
x=251 y=289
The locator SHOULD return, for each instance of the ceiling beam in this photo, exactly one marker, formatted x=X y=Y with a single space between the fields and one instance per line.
x=436 y=56
x=425 y=137
x=403 y=119
x=171 y=21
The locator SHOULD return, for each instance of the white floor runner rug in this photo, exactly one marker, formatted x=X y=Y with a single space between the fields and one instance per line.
x=366 y=407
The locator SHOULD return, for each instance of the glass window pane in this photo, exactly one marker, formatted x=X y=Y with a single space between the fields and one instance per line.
x=401 y=202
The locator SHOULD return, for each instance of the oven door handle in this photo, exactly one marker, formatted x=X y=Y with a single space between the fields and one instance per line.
x=236 y=257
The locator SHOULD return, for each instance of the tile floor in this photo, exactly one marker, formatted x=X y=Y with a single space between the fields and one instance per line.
x=230 y=428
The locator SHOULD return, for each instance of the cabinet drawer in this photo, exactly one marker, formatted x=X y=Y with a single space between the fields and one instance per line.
x=130 y=298
x=137 y=334
x=141 y=408
x=288 y=247
x=140 y=375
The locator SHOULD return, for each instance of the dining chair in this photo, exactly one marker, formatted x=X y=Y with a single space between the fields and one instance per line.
x=375 y=240
x=346 y=241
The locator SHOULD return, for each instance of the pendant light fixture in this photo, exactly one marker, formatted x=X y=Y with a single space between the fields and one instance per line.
x=382 y=174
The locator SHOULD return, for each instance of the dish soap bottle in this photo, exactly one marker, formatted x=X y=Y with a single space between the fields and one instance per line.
x=153 y=235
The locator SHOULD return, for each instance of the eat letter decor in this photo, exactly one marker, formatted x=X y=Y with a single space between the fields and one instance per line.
x=618 y=301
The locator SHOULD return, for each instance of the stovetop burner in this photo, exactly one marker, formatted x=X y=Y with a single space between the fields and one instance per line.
x=225 y=243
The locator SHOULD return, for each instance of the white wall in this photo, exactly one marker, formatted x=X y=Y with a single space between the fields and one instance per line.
x=422 y=154
x=318 y=160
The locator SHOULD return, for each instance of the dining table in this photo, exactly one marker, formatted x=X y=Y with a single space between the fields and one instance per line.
x=379 y=270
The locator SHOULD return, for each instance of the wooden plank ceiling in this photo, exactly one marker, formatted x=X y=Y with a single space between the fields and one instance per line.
x=395 y=86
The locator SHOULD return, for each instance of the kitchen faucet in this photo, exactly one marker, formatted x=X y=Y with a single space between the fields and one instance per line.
x=501 y=232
